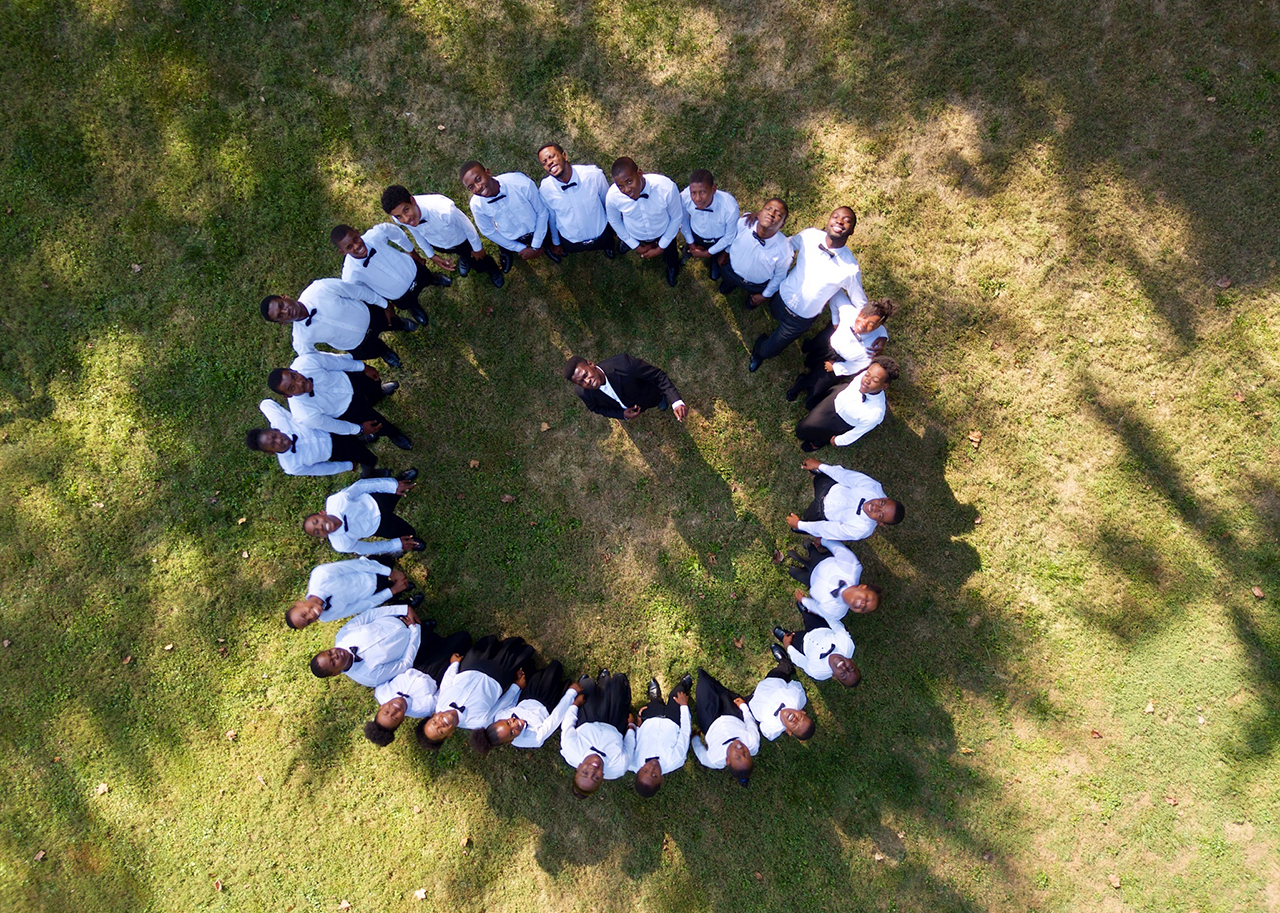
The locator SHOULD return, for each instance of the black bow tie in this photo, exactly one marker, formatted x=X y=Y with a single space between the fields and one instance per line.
x=781 y=707
x=704 y=209
x=864 y=397
x=462 y=709
x=570 y=184
x=293 y=445
x=501 y=196
x=643 y=196
x=355 y=655
x=311 y=315
x=598 y=751
x=730 y=741
x=756 y=235
x=840 y=588
x=825 y=250
x=860 y=503
x=372 y=251
x=827 y=652
x=328 y=603
x=346 y=527
x=403 y=695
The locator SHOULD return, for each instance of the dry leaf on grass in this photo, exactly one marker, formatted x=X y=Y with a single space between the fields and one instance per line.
x=507 y=499
x=39 y=856
x=217 y=884
x=168 y=648
x=1200 y=720
x=460 y=496
x=417 y=810
x=1094 y=734
x=975 y=438
x=1223 y=282
x=231 y=735
x=474 y=464
x=420 y=894
x=464 y=841
x=7 y=641
x=127 y=660
x=1150 y=708
x=344 y=905
x=711 y=559
x=777 y=556
x=545 y=427
x=1238 y=396
x=737 y=642
x=241 y=521
x=136 y=267
x=1257 y=592
x=102 y=789
x=1171 y=800
x=1114 y=880
x=244 y=554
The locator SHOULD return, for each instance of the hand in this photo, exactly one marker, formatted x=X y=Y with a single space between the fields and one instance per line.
x=557 y=249
x=631 y=719
x=723 y=257
x=799 y=594
x=757 y=300
x=631 y=412
x=399 y=580
x=480 y=254
x=817 y=543
x=680 y=412
x=751 y=219
x=878 y=346
x=739 y=702
x=520 y=679
x=580 y=699
x=793 y=521
x=455 y=658
x=682 y=698
x=444 y=262
x=811 y=464
x=650 y=251
x=788 y=639
x=411 y=617
x=372 y=426
x=372 y=373
x=829 y=367
x=530 y=253
x=833 y=440
x=408 y=543
x=404 y=487
x=699 y=252
x=576 y=687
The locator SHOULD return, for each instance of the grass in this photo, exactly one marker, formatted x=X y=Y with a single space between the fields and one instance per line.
x=1052 y=193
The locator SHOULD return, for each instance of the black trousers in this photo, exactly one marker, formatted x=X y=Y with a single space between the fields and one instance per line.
x=790 y=328
x=350 y=448
x=658 y=707
x=713 y=700
x=467 y=260
x=546 y=686
x=731 y=280
x=372 y=346
x=803 y=572
x=705 y=244
x=606 y=241
x=498 y=659
x=365 y=392
x=389 y=525
x=785 y=669
x=811 y=621
x=434 y=651
x=823 y=422
x=822 y=483
x=670 y=256
x=608 y=702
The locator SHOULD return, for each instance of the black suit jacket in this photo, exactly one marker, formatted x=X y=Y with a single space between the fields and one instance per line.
x=636 y=382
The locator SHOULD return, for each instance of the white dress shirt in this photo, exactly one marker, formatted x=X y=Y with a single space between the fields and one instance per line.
x=541 y=722
x=658 y=212
x=348 y=587
x=360 y=516
x=818 y=646
x=417 y=688
x=719 y=220
x=311 y=449
x=339 y=315
x=818 y=273
x=755 y=261
x=829 y=579
x=771 y=697
x=843 y=506
x=516 y=211
x=576 y=742
x=607 y=389
x=861 y=410
x=442 y=225
x=386 y=270
x=577 y=205
x=712 y=747
x=331 y=391
x=660 y=737
x=473 y=694
x=385 y=645
x=855 y=349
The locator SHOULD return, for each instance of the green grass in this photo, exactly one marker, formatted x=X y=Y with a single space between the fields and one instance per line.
x=1051 y=193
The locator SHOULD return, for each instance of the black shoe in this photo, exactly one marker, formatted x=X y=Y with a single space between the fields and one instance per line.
x=779 y=652
x=655 y=692
x=391 y=359
x=497 y=279
x=604 y=675
x=370 y=471
x=408 y=475
x=402 y=442
x=463 y=269
x=611 y=251
x=417 y=546
x=427 y=624
x=406 y=325
x=504 y=260
x=552 y=255
x=754 y=365
x=414 y=601
x=441 y=280
x=795 y=556
x=671 y=275
x=715 y=271
x=418 y=314
x=810 y=447
x=368 y=438
x=685 y=683
x=724 y=289
x=584 y=679
x=390 y=387
x=793 y=393
x=779 y=633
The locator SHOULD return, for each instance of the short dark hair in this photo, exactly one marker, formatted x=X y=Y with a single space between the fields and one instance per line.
x=289 y=621
x=556 y=146
x=702 y=176
x=890 y=366
x=339 y=232
x=885 y=307
x=306 y=518
x=623 y=164
x=646 y=788
x=315 y=666
x=572 y=365
x=274 y=379
x=266 y=307
x=857 y=678
x=395 y=195
x=851 y=213
x=253 y=438
x=875 y=588
x=424 y=742
x=379 y=734
x=899 y=513
x=467 y=166
x=786 y=210
x=743 y=773
x=807 y=732
x=480 y=741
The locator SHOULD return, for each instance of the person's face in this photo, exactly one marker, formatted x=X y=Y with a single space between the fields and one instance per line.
x=702 y=194
x=554 y=163
x=866 y=321
x=589 y=774
x=516 y=725
x=840 y=224
x=333 y=661
x=588 y=376
x=274 y=441
x=293 y=384
x=306 y=611
x=286 y=310
x=391 y=714
x=353 y=246
x=441 y=725
x=843 y=669
x=861 y=598
x=793 y=720
x=631 y=183
x=878 y=509
x=408 y=213
x=737 y=755
x=321 y=525
x=874 y=379
x=650 y=772
x=480 y=181
x=770 y=219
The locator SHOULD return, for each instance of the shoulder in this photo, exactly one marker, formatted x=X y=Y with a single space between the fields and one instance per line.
x=662 y=182
x=516 y=179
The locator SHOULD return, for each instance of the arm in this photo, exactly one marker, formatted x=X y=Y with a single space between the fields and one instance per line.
x=558 y=713
x=601 y=404
x=619 y=226
x=700 y=751
x=853 y=285
x=686 y=726
x=731 y=226
x=458 y=218
x=654 y=375
x=328 y=423
x=842 y=553
x=826 y=530
x=373 y=486
x=675 y=217
x=752 y=741
x=686 y=220
x=779 y=273
x=860 y=427
x=328 y=468
x=570 y=722
x=541 y=213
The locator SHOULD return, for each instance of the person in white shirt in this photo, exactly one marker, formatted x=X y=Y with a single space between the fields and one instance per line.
x=508 y=211
x=340 y=589
x=646 y=213
x=710 y=221
x=847 y=505
x=472 y=686
x=440 y=228
x=662 y=738
x=574 y=195
x=341 y=315
x=366 y=508
x=599 y=747
x=759 y=255
x=373 y=647
x=410 y=694
x=335 y=393
x=778 y=702
x=306 y=451
x=844 y=348
x=380 y=262
x=833 y=575
x=822 y=650
x=531 y=720
x=850 y=410
x=823 y=265
x=729 y=735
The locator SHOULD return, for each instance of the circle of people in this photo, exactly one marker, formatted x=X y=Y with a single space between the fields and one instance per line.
x=494 y=686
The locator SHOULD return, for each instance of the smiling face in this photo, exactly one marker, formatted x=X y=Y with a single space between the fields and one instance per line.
x=353 y=246
x=702 y=194
x=408 y=213
x=588 y=376
x=793 y=721
x=273 y=441
x=391 y=714
x=305 y=611
x=861 y=599
x=866 y=321
x=333 y=661
x=294 y=384
x=588 y=775
x=321 y=525
x=478 y=180
x=555 y=163
x=441 y=725
x=631 y=182
x=874 y=380
x=840 y=224
x=843 y=670
x=770 y=219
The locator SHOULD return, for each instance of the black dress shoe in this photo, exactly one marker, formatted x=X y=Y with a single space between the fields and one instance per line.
x=715 y=271
x=671 y=276
x=504 y=260
x=754 y=365
x=390 y=387
x=779 y=633
x=552 y=255
x=810 y=447
x=418 y=314
x=655 y=692
x=415 y=600
x=402 y=442
x=463 y=269
x=779 y=652
x=405 y=324
x=408 y=475
x=686 y=682
x=497 y=279
x=793 y=392
x=391 y=359
x=611 y=251
x=584 y=679
x=441 y=280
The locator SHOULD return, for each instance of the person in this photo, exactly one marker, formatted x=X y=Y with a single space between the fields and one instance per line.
x=574 y=197
x=662 y=738
x=411 y=694
x=646 y=213
x=338 y=314
x=710 y=221
x=850 y=410
x=378 y=261
x=823 y=264
x=759 y=255
x=340 y=589
x=307 y=451
x=729 y=735
x=373 y=647
x=825 y=650
x=363 y=509
x=844 y=348
x=847 y=505
x=833 y=575
x=623 y=386
x=335 y=393
x=440 y=228
x=475 y=683
x=528 y=723
x=508 y=211
x=599 y=747
x=779 y=700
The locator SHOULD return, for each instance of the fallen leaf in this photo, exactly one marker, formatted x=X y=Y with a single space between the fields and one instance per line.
x=1200 y=720
x=244 y=554
x=975 y=438
x=240 y=522
x=6 y=641
x=420 y=894
x=1257 y=592
x=440 y=127
x=987 y=856
x=1223 y=282
x=39 y=855
x=977 y=521
x=136 y=267
x=260 y=780
x=474 y=464
x=966 y=751
x=127 y=660
x=737 y=642
x=1171 y=800
x=711 y=559
x=417 y=810
x=878 y=856
x=217 y=884
x=777 y=556
x=1094 y=734
x=295 y=17
x=507 y=499
x=1238 y=396
x=460 y=496
x=222 y=640
x=345 y=905
x=464 y=841
x=102 y=789
x=759 y=877
x=57 y=759
x=1114 y=880
x=1211 y=98
x=1150 y=708
x=231 y=735
x=545 y=427
x=168 y=647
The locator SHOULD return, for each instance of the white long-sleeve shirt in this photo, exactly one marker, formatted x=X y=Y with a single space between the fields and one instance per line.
x=473 y=694
x=381 y=640
x=360 y=516
x=387 y=270
x=818 y=645
x=311 y=448
x=417 y=688
x=578 y=741
x=818 y=272
x=541 y=721
x=331 y=391
x=718 y=221
x=757 y=262
x=576 y=206
x=442 y=225
x=348 y=587
x=771 y=697
x=831 y=577
x=516 y=210
x=855 y=349
x=843 y=506
x=339 y=315
x=712 y=747
x=664 y=739
x=863 y=411
x=658 y=213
